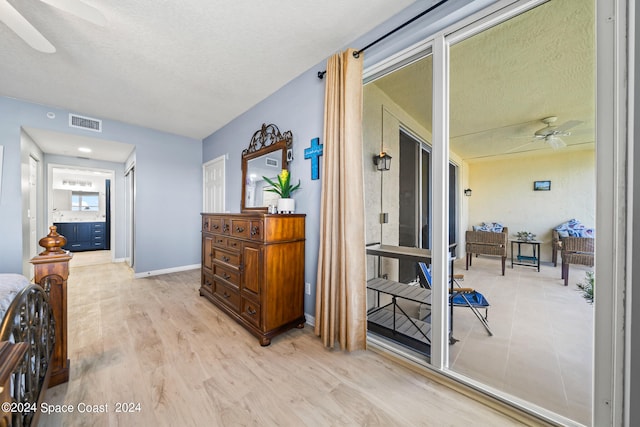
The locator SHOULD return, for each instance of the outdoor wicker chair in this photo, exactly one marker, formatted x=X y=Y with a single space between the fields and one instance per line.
x=576 y=250
x=556 y=246
x=487 y=243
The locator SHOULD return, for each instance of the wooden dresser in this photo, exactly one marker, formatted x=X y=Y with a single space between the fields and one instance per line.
x=253 y=269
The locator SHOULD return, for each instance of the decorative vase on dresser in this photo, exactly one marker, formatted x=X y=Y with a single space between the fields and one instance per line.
x=253 y=270
x=286 y=205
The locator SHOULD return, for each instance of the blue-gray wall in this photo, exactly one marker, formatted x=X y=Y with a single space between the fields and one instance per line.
x=299 y=107
x=168 y=184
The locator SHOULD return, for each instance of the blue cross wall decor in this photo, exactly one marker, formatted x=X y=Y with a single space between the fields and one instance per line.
x=314 y=152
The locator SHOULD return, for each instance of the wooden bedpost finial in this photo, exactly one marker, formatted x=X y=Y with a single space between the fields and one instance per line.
x=53 y=242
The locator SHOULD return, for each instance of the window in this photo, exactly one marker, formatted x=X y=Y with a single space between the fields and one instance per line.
x=85 y=201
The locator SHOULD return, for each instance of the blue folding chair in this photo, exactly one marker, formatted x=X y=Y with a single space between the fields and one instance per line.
x=459 y=296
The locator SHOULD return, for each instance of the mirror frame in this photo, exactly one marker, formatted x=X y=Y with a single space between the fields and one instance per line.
x=265 y=140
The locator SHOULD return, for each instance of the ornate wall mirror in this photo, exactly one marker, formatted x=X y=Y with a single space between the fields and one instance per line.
x=268 y=153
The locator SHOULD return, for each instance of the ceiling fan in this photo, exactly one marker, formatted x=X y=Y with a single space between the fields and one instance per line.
x=27 y=32
x=551 y=134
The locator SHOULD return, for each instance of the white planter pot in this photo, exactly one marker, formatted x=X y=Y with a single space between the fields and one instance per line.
x=286 y=206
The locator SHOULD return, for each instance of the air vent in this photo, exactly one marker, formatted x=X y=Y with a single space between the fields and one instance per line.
x=87 y=123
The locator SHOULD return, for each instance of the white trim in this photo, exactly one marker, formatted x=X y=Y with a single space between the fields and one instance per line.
x=611 y=132
x=628 y=343
x=489 y=17
x=166 y=271
x=401 y=59
x=440 y=203
x=309 y=319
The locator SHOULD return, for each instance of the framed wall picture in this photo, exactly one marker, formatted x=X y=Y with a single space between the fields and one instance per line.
x=541 y=185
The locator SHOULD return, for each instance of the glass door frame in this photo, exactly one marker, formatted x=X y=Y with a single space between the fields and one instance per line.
x=611 y=247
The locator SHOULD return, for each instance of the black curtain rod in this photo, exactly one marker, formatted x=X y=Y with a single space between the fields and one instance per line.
x=357 y=53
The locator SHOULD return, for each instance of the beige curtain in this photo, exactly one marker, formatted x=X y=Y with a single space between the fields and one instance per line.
x=341 y=289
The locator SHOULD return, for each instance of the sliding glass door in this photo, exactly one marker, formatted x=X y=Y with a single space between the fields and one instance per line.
x=514 y=149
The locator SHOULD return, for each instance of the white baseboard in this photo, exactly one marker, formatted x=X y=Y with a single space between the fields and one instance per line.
x=166 y=271
x=119 y=260
x=310 y=320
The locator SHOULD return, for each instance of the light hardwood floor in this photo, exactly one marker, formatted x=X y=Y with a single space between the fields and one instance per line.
x=156 y=342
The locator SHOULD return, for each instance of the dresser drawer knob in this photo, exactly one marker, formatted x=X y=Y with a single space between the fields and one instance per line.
x=226 y=276
x=251 y=311
x=225 y=228
x=226 y=258
x=220 y=240
x=226 y=295
x=216 y=226
x=255 y=230
x=239 y=229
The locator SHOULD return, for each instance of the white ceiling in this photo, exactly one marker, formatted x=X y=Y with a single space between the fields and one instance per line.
x=186 y=67
x=506 y=79
x=65 y=144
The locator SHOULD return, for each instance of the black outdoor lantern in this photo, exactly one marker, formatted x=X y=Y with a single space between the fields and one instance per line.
x=382 y=161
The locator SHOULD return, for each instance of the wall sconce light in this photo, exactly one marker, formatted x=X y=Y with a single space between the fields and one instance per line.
x=467 y=192
x=382 y=161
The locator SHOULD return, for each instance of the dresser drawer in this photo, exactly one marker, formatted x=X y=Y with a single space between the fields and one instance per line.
x=251 y=311
x=240 y=228
x=220 y=241
x=229 y=258
x=234 y=244
x=227 y=274
x=256 y=230
x=207 y=282
x=226 y=294
x=213 y=224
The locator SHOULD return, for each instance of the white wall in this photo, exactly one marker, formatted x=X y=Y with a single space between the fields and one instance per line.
x=503 y=192
x=382 y=121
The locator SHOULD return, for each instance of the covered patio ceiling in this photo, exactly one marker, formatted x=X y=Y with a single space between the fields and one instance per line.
x=505 y=80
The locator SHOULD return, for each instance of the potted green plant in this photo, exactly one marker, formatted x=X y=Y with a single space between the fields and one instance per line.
x=283 y=188
x=586 y=287
x=525 y=236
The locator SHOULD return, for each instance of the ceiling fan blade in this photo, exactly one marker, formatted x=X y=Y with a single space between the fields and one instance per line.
x=567 y=125
x=555 y=142
x=24 y=29
x=79 y=9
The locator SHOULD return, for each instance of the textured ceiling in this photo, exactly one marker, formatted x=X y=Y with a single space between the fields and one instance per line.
x=506 y=79
x=187 y=67
x=65 y=144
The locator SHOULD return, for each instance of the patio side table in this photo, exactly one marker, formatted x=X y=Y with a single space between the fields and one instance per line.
x=526 y=260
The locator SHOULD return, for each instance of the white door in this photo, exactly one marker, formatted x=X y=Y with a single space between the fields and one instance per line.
x=213 y=176
x=130 y=202
x=33 y=207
